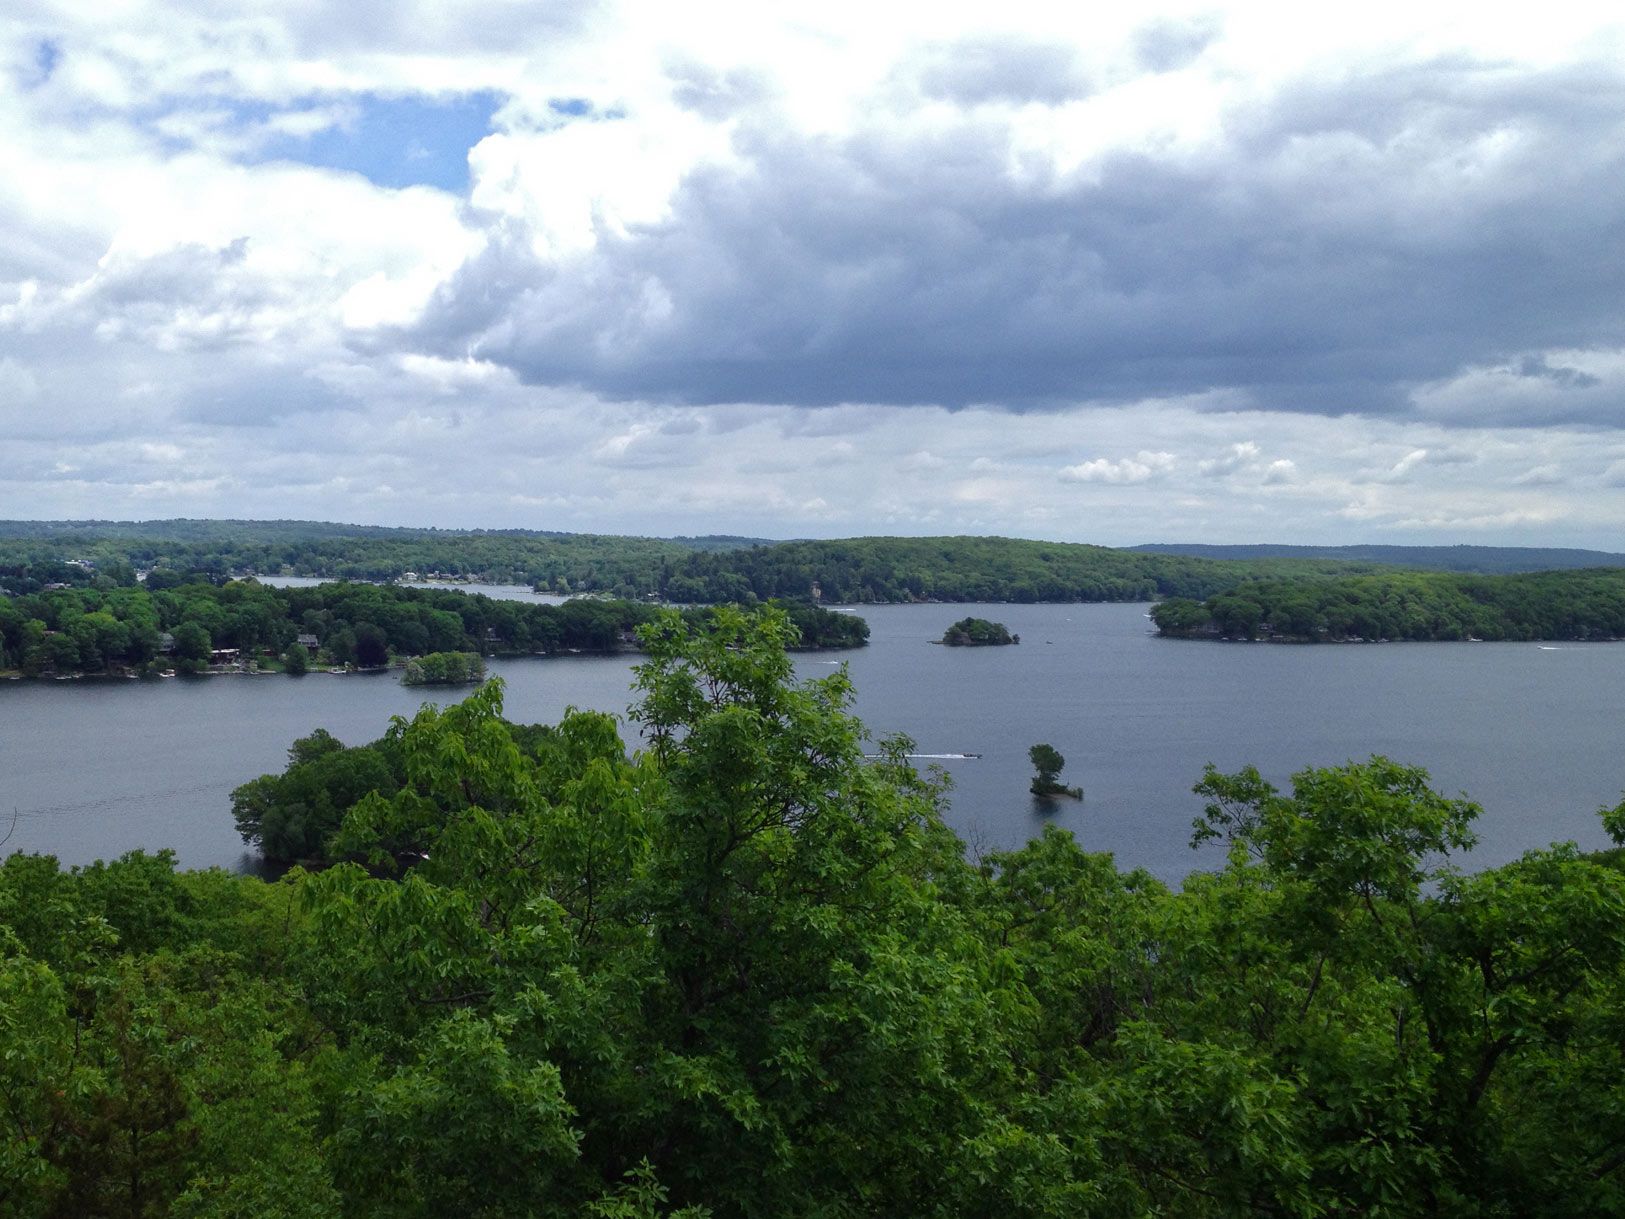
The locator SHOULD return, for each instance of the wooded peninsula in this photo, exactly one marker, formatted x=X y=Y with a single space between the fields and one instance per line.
x=242 y=624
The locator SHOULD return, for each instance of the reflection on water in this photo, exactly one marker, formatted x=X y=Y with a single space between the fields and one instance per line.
x=92 y=769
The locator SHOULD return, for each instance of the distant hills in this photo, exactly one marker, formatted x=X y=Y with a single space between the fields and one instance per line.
x=190 y=529
x=34 y=554
x=1488 y=560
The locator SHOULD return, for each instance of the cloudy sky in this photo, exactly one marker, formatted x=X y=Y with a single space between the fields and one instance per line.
x=1262 y=272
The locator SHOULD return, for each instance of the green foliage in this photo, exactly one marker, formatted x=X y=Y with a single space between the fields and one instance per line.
x=146 y=1072
x=680 y=570
x=1613 y=820
x=977 y=633
x=863 y=570
x=1047 y=765
x=31 y=553
x=822 y=628
x=1047 y=761
x=360 y=624
x=1484 y=560
x=1180 y=616
x=444 y=669
x=1584 y=604
x=192 y=642
x=291 y=816
x=746 y=971
x=353 y=623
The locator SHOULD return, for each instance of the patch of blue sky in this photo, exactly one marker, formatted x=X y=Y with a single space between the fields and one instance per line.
x=47 y=54
x=392 y=141
x=38 y=69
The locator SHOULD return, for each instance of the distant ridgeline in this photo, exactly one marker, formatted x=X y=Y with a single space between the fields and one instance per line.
x=704 y=570
x=682 y=570
x=1586 y=604
x=1484 y=560
x=863 y=570
x=39 y=552
x=138 y=630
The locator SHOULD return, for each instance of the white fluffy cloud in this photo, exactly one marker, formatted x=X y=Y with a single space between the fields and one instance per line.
x=1138 y=469
x=1232 y=272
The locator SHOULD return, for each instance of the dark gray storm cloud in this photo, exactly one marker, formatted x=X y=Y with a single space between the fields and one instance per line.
x=1336 y=248
x=1558 y=374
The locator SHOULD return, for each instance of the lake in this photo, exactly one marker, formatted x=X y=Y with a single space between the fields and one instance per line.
x=1533 y=732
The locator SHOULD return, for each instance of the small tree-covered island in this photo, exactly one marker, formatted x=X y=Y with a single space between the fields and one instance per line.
x=978 y=633
x=745 y=969
x=444 y=669
x=1047 y=766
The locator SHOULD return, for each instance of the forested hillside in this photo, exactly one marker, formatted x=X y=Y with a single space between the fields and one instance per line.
x=1583 y=604
x=882 y=569
x=747 y=971
x=562 y=562
x=682 y=570
x=1483 y=560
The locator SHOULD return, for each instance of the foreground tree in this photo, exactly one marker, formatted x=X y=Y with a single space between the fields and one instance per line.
x=746 y=987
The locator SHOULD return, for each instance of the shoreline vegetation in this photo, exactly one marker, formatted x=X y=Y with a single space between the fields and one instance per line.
x=242 y=626
x=748 y=970
x=1584 y=605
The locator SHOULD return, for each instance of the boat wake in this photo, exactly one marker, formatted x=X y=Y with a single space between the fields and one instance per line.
x=931 y=757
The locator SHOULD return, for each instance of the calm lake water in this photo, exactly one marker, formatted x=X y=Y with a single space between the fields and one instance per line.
x=1534 y=733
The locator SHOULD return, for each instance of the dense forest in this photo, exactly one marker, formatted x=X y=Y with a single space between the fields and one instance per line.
x=558 y=562
x=681 y=570
x=1581 y=604
x=863 y=570
x=1483 y=560
x=143 y=630
x=747 y=971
